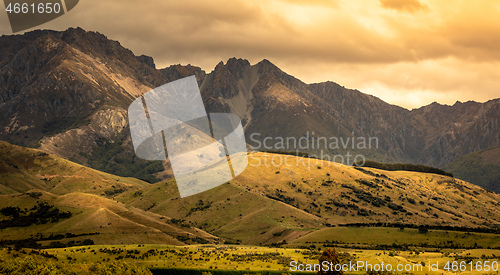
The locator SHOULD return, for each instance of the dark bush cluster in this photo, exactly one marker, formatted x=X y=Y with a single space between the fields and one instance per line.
x=33 y=242
x=39 y=214
x=200 y=206
x=434 y=227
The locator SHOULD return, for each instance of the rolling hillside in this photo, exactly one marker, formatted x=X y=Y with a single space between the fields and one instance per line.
x=101 y=220
x=29 y=177
x=23 y=169
x=271 y=203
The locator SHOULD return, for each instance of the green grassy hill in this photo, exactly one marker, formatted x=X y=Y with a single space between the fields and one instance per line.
x=272 y=203
x=481 y=168
x=393 y=237
x=29 y=177
x=269 y=203
x=102 y=220
x=229 y=211
x=23 y=169
x=306 y=204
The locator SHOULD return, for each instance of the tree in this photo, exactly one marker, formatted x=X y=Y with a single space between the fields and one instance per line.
x=11 y=211
x=332 y=258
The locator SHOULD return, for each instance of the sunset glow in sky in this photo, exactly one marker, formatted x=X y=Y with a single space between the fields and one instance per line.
x=407 y=52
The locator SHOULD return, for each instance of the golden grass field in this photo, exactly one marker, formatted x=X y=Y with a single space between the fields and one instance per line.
x=255 y=258
x=268 y=216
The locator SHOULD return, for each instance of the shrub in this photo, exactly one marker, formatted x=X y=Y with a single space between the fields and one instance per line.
x=329 y=255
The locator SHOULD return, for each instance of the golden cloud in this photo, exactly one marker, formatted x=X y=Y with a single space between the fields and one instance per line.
x=403 y=5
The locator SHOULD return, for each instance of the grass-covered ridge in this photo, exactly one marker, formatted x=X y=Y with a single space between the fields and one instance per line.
x=24 y=169
x=404 y=167
x=271 y=202
x=277 y=212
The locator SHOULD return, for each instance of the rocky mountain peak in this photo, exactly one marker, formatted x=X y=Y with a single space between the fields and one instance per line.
x=234 y=66
x=52 y=81
x=95 y=43
x=179 y=71
x=266 y=66
x=148 y=60
x=224 y=78
x=237 y=66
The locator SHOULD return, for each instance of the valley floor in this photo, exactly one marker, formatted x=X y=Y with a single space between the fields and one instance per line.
x=166 y=259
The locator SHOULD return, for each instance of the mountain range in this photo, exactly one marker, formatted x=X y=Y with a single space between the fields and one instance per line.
x=67 y=93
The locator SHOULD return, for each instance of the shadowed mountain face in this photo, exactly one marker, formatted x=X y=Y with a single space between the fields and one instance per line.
x=452 y=131
x=68 y=93
x=481 y=168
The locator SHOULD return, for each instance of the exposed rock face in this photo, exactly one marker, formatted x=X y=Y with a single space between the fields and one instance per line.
x=178 y=71
x=452 y=131
x=70 y=91
x=148 y=60
x=272 y=103
x=59 y=79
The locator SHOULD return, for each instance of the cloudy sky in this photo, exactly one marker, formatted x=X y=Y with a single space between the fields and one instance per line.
x=407 y=52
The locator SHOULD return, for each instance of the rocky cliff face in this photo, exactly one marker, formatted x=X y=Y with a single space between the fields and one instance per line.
x=57 y=80
x=452 y=131
x=68 y=92
x=275 y=104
